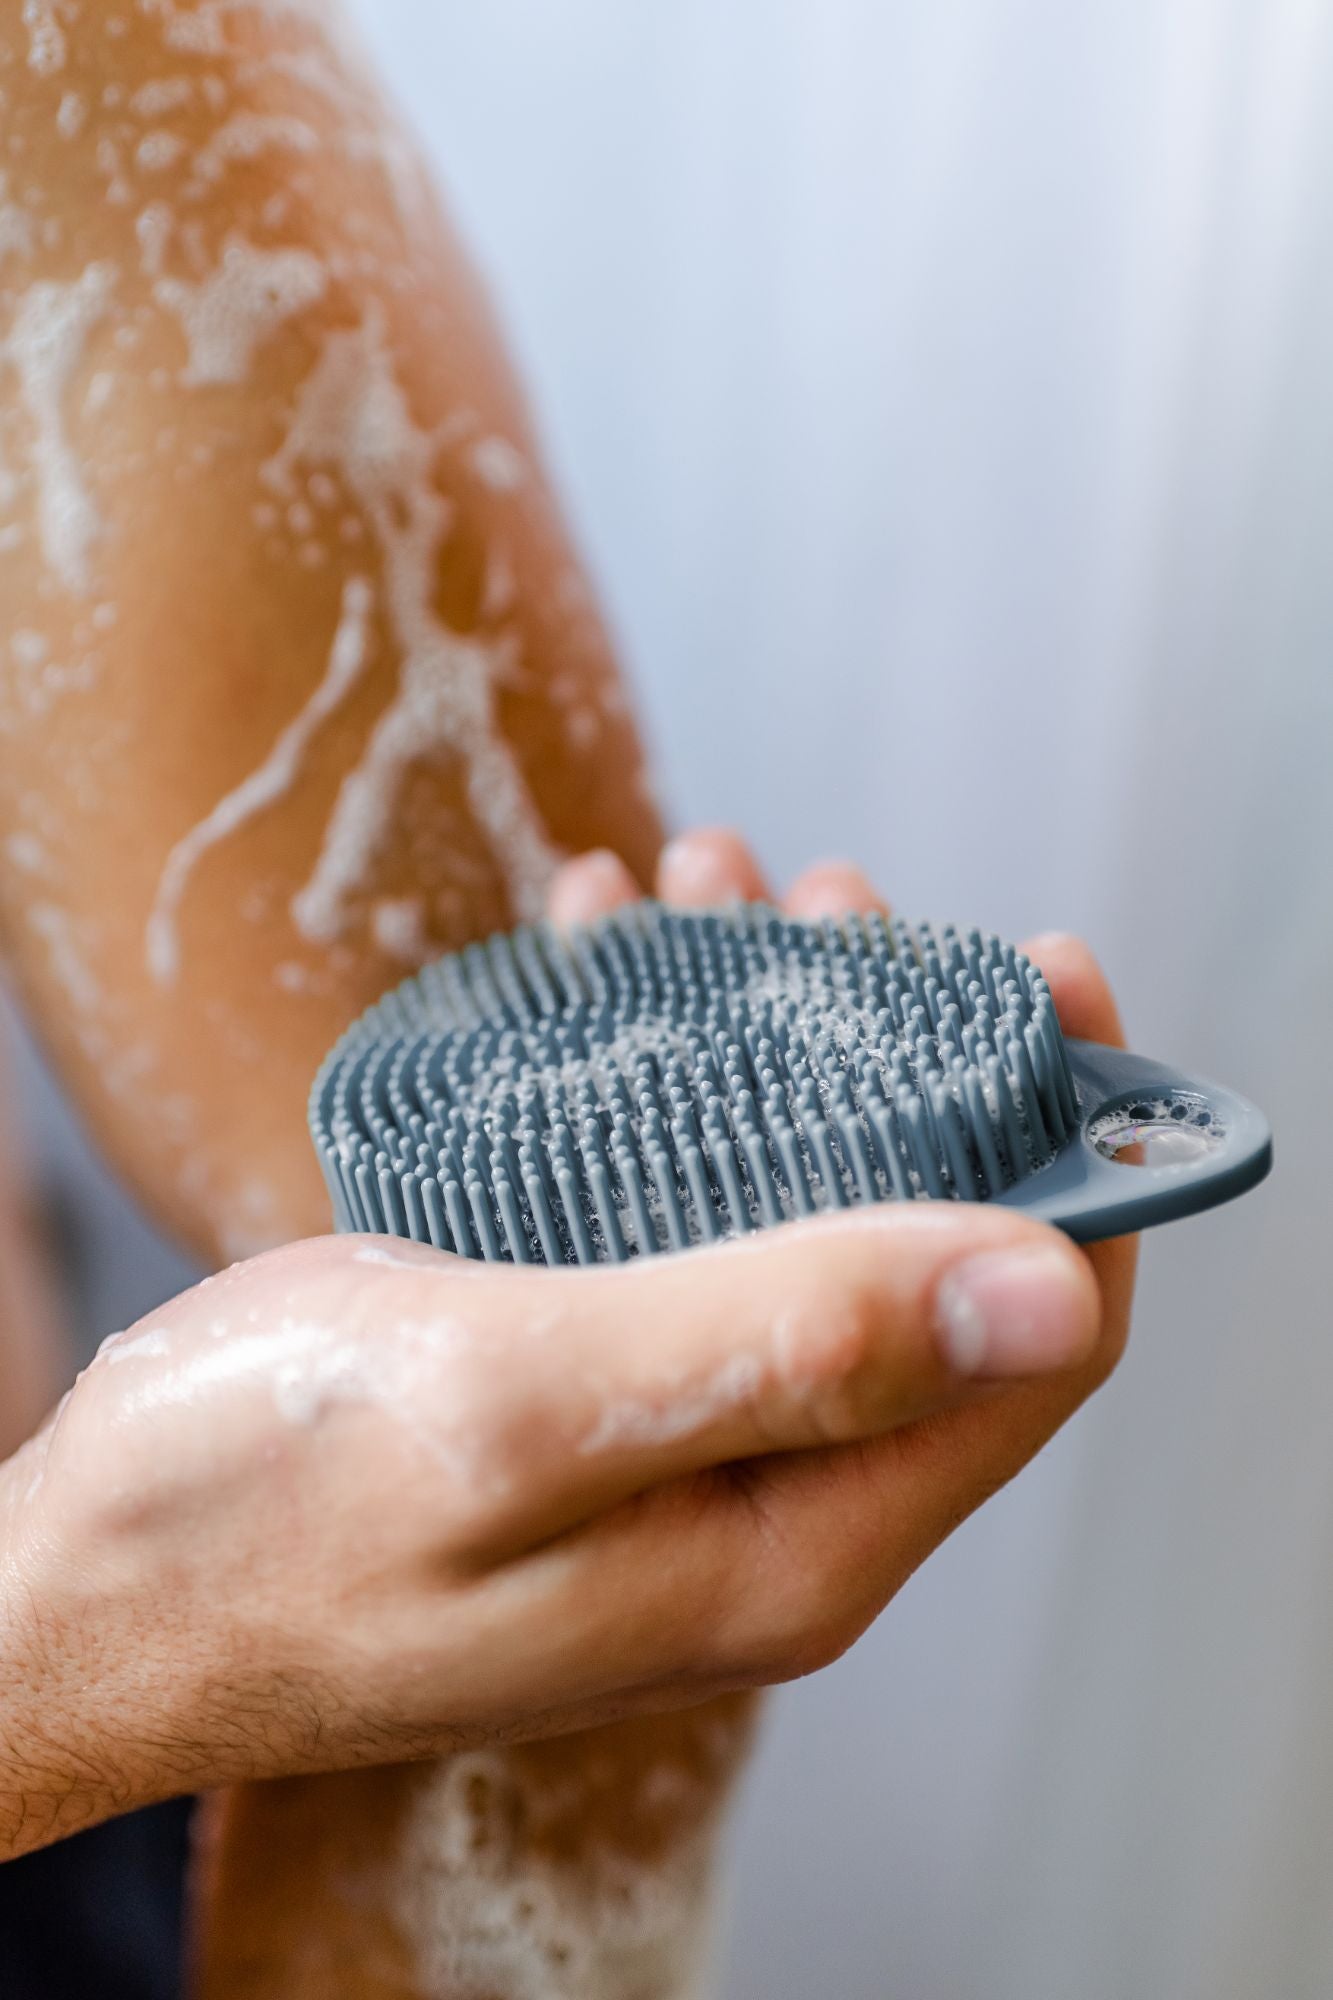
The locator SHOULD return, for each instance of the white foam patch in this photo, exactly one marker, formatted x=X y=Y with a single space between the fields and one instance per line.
x=71 y=115
x=153 y=227
x=249 y=135
x=498 y=464
x=46 y=38
x=488 y=1914
x=26 y=852
x=228 y=316
x=398 y=926
x=352 y=416
x=15 y=225
x=29 y=648
x=38 y=681
x=201 y=29
x=398 y=160
x=197 y=34
x=158 y=150
x=45 y=345
x=121 y=1347
x=264 y=787
x=314 y=72
x=377 y=1253
x=161 y=95
x=15 y=232
x=65 y=948
x=677 y=1411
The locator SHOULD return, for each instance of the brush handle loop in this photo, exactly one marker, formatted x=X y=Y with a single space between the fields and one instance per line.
x=1152 y=1146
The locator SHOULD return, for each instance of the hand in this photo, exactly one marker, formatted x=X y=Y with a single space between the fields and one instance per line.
x=357 y=1501
x=919 y=1482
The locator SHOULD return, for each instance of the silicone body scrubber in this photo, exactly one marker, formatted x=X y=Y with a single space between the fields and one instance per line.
x=663 y=1079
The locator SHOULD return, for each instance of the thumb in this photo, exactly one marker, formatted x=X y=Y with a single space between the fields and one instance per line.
x=824 y=1331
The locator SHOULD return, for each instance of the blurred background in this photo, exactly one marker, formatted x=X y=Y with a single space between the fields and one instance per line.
x=943 y=396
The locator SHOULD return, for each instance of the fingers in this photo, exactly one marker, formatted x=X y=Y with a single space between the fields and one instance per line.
x=767 y=1569
x=702 y=869
x=863 y=1517
x=708 y=867
x=831 y=1330
x=590 y=887
x=713 y=865
x=1079 y=987
x=831 y=889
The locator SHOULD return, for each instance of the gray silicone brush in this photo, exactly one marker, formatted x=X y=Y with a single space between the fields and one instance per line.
x=662 y=1079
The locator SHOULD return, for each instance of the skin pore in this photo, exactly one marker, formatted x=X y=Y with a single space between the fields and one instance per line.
x=303 y=684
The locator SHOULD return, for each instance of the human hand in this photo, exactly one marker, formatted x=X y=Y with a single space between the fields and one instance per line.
x=928 y=1477
x=357 y=1501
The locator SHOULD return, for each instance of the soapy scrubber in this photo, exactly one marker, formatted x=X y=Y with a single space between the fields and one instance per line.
x=666 y=1078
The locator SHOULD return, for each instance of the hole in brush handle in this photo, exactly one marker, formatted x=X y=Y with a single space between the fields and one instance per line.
x=1153 y=1146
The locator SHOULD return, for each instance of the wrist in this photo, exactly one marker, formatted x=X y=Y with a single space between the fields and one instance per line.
x=66 y=1760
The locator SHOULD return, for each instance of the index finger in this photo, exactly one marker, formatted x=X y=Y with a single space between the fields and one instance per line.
x=1079 y=987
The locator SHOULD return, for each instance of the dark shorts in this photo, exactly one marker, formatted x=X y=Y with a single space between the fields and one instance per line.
x=98 y=1917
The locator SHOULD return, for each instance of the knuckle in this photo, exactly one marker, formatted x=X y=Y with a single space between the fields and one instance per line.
x=824 y=1637
x=803 y=1640
x=803 y=1615
x=834 y=1340
x=1107 y=1354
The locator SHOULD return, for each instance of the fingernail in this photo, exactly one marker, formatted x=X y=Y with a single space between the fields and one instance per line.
x=1014 y=1312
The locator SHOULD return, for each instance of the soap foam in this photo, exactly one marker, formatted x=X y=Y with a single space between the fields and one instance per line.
x=153 y=227
x=15 y=225
x=69 y=964
x=397 y=924
x=162 y=94
x=347 y=658
x=498 y=464
x=45 y=346
x=230 y=314
x=677 y=1410
x=71 y=115
x=26 y=852
x=487 y=1913
x=158 y=150
x=201 y=29
x=248 y=135
x=352 y=416
x=46 y=38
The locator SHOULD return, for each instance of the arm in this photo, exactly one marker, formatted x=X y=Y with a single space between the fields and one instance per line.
x=303 y=680
x=303 y=685
x=355 y=1500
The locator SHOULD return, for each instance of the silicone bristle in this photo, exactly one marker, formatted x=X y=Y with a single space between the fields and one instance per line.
x=664 y=1079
